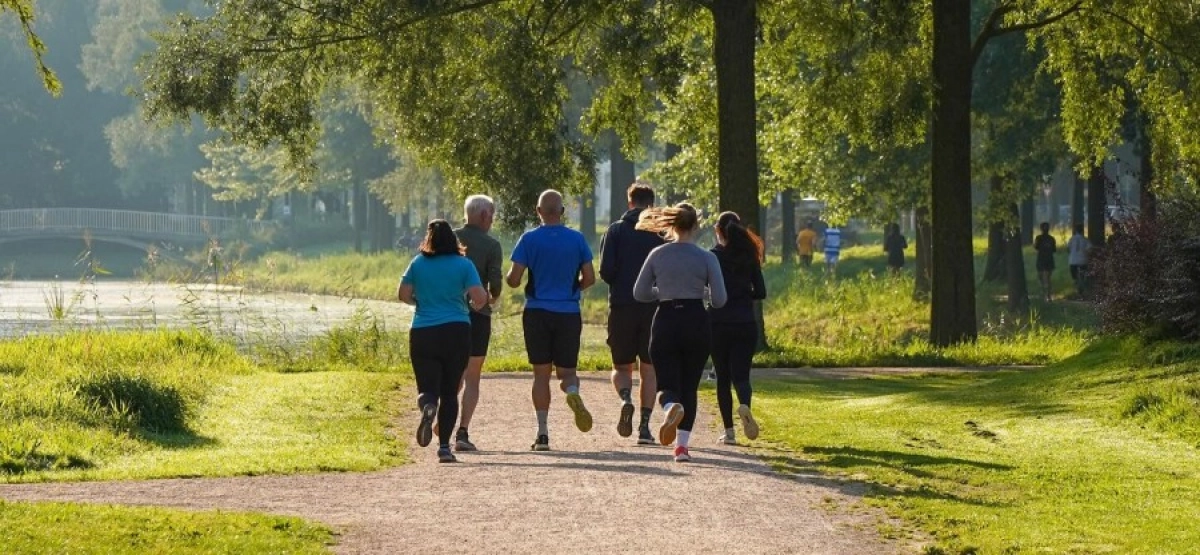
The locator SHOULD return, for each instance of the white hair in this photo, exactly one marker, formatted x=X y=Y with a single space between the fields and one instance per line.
x=476 y=205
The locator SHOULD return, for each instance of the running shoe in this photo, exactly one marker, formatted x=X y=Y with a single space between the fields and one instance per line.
x=681 y=454
x=749 y=426
x=625 y=424
x=425 y=428
x=671 y=419
x=727 y=439
x=445 y=456
x=644 y=437
x=462 y=442
x=541 y=444
x=583 y=418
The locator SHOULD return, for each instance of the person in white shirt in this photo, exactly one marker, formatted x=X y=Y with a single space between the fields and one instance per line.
x=1077 y=257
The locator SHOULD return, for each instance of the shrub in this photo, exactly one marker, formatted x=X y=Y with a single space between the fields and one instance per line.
x=1148 y=276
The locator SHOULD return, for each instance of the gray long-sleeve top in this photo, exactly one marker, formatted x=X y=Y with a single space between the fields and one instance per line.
x=677 y=271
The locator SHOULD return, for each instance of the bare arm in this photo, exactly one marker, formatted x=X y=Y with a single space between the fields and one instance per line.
x=479 y=297
x=588 y=278
x=515 y=273
x=405 y=294
x=495 y=263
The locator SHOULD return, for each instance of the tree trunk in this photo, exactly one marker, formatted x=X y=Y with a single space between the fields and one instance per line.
x=787 y=235
x=1028 y=207
x=1014 y=262
x=952 y=317
x=1147 y=202
x=358 y=213
x=1078 y=204
x=670 y=150
x=373 y=217
x=735 y=23
x=1097 y=207
x=620 y=178
x=996 y=249
x=587 y=216
x=997 y=246
x=924 y=261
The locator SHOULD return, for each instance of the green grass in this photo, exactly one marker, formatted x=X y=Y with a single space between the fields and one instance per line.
x=1095 y=454
x=105 y=405
x=72 y=528
x=860 y=318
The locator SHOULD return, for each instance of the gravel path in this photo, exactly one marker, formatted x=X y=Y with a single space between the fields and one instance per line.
x=594 y=493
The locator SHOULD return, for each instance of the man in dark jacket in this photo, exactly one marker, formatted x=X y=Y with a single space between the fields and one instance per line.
x=623 y=251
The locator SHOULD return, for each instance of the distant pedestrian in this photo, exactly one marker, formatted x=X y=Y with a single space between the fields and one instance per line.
x=624 y=250
x=1077 y=258
x=1045 y=246
x=439 y=342
x=485 y=253
x=894 y=244
x=559 y=261
x=678 y=275
x=833 y=248
x=734 y=330
x=805 y=243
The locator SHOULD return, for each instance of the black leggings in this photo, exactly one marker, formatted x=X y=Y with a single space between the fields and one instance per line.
x=439 y=356
x=732 y=351
x=679 y=346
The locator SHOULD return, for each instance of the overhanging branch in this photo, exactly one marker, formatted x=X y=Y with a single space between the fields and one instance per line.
x=992 y=28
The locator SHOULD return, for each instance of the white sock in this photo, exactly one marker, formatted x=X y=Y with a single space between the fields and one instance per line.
x=682 y=439
x=541 y=419
x=572 y=389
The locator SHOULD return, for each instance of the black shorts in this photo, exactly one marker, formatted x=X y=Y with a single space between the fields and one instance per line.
x=552 y=337
x=481 y=333
x=629 y=332
x=1045 y=265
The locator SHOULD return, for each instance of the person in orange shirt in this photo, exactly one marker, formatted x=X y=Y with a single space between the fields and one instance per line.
x=805 y=242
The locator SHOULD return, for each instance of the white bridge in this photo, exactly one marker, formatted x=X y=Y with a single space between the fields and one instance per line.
x=128 y=227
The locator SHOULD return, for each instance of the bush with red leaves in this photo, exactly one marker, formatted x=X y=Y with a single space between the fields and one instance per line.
x=1148 y=276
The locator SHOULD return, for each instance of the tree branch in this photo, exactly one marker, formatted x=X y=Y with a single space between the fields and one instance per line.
x=1146 y=35
x=992 y=28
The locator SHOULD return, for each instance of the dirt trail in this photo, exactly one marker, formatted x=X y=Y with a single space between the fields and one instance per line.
x=593 y=493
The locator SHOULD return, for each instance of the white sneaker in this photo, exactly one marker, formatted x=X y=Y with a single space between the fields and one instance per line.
x=672 y=416
x=749 y=426
x=726 y=439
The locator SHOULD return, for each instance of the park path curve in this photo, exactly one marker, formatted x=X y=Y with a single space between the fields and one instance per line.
x=593 y=493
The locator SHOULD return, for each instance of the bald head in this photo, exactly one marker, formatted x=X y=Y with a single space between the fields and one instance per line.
x=550 y=206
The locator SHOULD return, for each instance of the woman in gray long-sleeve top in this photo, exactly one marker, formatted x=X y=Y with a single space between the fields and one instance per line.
x=678 y=275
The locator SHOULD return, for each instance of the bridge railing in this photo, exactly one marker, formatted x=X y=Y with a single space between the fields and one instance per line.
x=123 y=221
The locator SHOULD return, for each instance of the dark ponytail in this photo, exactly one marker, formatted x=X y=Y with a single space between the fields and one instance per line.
x=744 y=247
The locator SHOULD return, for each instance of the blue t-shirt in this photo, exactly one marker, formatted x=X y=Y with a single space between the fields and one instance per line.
x=439 y=285
x=553 y=254
x=833 y=241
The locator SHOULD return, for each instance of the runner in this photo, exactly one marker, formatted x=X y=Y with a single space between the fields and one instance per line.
x=677 y=275
x=484 y=251
x=439 y=342
x=624 y=249
x=734 y=331
x=560 y=268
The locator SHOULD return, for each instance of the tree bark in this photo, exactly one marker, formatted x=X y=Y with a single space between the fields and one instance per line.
x=1028 y=207
x=587 y=216
x=997 y=245
x=924 y=261
x=1014 y=263
x=952 y=318
x=620 y=178
x=787 y=235
x=1097 y=207
x=735 y=24
x=359 y=213
x=1078 y=204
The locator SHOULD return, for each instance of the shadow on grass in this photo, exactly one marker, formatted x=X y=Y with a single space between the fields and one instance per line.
x=178 y=440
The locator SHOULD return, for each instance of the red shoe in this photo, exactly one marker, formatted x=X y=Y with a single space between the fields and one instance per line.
x=681 y=454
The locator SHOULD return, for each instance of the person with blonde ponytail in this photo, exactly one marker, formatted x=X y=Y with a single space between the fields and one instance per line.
x=735 y=333
x=677 y=276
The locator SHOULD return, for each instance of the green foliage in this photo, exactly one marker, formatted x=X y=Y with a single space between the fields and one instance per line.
x=1093 y=454
x=24 y=10
x=86 y=529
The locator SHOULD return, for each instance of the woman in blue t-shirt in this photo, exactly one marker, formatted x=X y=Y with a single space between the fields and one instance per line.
x=440 y=282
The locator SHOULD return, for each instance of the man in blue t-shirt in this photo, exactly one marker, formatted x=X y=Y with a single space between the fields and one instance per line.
x=560 y=268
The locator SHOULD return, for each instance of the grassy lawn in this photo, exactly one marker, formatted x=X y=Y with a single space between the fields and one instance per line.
x=1096 y=454
x=97 y=405
x=72 y=528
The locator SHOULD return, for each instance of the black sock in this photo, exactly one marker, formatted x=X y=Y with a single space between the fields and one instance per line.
x=625 y=395
x=462 y=430
x=646 y=411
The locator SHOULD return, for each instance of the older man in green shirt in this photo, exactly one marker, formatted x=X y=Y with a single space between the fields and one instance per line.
x=484 y=251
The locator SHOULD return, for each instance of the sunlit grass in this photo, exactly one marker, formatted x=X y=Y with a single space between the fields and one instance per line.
x=1095 y=454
